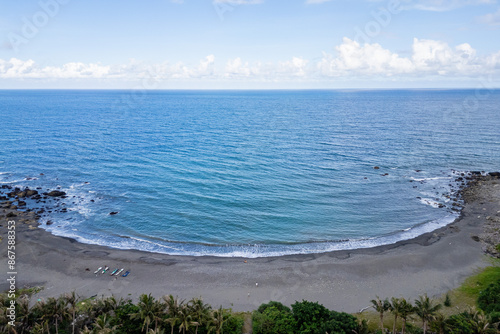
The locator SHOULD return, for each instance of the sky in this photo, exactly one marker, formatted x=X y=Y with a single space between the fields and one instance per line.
x=249 y=44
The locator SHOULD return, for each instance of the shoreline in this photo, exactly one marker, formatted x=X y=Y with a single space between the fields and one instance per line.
x=343 y=280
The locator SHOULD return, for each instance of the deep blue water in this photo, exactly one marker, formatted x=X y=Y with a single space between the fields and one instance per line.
x=247 y=173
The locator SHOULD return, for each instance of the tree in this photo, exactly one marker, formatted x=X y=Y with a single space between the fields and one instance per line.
x=149 y=311
x=199 y=311
x=426 y=311
x=395 y=308
x=405 y=310
x=56 y=310
x=217 y=321
x=173 y=308
x=381 y=306
x=72 y=300
x=102 y=325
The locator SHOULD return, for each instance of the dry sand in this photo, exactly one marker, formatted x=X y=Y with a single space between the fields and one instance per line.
x=344 y=281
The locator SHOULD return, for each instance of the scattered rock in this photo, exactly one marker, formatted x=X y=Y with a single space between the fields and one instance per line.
x=30 y=193
x=56 y=193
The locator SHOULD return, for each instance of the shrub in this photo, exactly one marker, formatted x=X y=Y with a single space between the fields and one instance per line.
x=489 y=298
x=274 y=318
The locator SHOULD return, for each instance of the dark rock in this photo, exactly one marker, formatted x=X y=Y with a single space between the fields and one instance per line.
x=11 y=214
x=21 y=194
x=113 y=213
x=30 y=193
x=494 y=174
x=475 y=238
x=21 y=203
x=56 y=193
x=49 y=222
x=376 y=167
x=475 y=173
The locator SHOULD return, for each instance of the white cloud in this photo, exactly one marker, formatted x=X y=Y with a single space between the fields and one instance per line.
x=315 y=2
x=442 y=5
x=428 y=59
x=239 y=2
x=492 y=19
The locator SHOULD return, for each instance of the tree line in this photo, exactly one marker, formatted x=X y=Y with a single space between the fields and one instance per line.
x=106 y=315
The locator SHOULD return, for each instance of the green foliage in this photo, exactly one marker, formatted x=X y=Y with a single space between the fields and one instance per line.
x=341 y=323
x=412 y=329
x=489 y=298
x=233 y=323
x=474 y=285
x=279 y=306
x=273 y=317
x=447 y=301
x=460 y=324
x=123 y=320
x=309 y=316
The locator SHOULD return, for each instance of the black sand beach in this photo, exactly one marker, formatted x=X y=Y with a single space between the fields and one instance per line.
x=344 y=280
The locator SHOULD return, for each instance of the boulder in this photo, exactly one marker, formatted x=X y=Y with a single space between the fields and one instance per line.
x=56 y=193
x=11 y=214
x=30 y=192
x=495 y=174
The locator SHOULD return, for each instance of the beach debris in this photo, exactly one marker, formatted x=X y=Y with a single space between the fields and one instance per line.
x=87 y=269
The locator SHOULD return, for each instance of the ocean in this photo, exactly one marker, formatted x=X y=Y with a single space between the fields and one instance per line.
x=247 y=173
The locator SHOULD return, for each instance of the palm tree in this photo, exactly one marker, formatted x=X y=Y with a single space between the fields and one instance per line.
x=426 y=311
x=481 y=322
x=405 y=310
x=72 y=300
x=217 y=321
x=173 y=308
x=199 y=311
x=439 y=323
x=102 y=325
x=381 y=306
x=23 y=311
x=148 y=311
x=396 y=310
x=185 y=319
x=57 y=311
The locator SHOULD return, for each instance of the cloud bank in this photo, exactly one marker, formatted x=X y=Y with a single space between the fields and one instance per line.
x=428 y=59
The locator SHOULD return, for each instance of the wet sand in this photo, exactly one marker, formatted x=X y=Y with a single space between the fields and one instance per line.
x=343 y=280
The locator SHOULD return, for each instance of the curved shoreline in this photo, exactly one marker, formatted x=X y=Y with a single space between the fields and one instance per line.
x=345 y=280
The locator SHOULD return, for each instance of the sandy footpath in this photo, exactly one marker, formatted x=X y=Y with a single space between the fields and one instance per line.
x=345 y=280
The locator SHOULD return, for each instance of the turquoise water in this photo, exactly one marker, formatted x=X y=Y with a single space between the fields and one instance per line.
x=247 y=173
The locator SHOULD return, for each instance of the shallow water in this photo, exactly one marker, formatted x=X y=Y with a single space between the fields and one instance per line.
x=248 y=173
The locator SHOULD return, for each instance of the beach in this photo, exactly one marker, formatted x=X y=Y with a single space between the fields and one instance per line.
x=433 y=263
